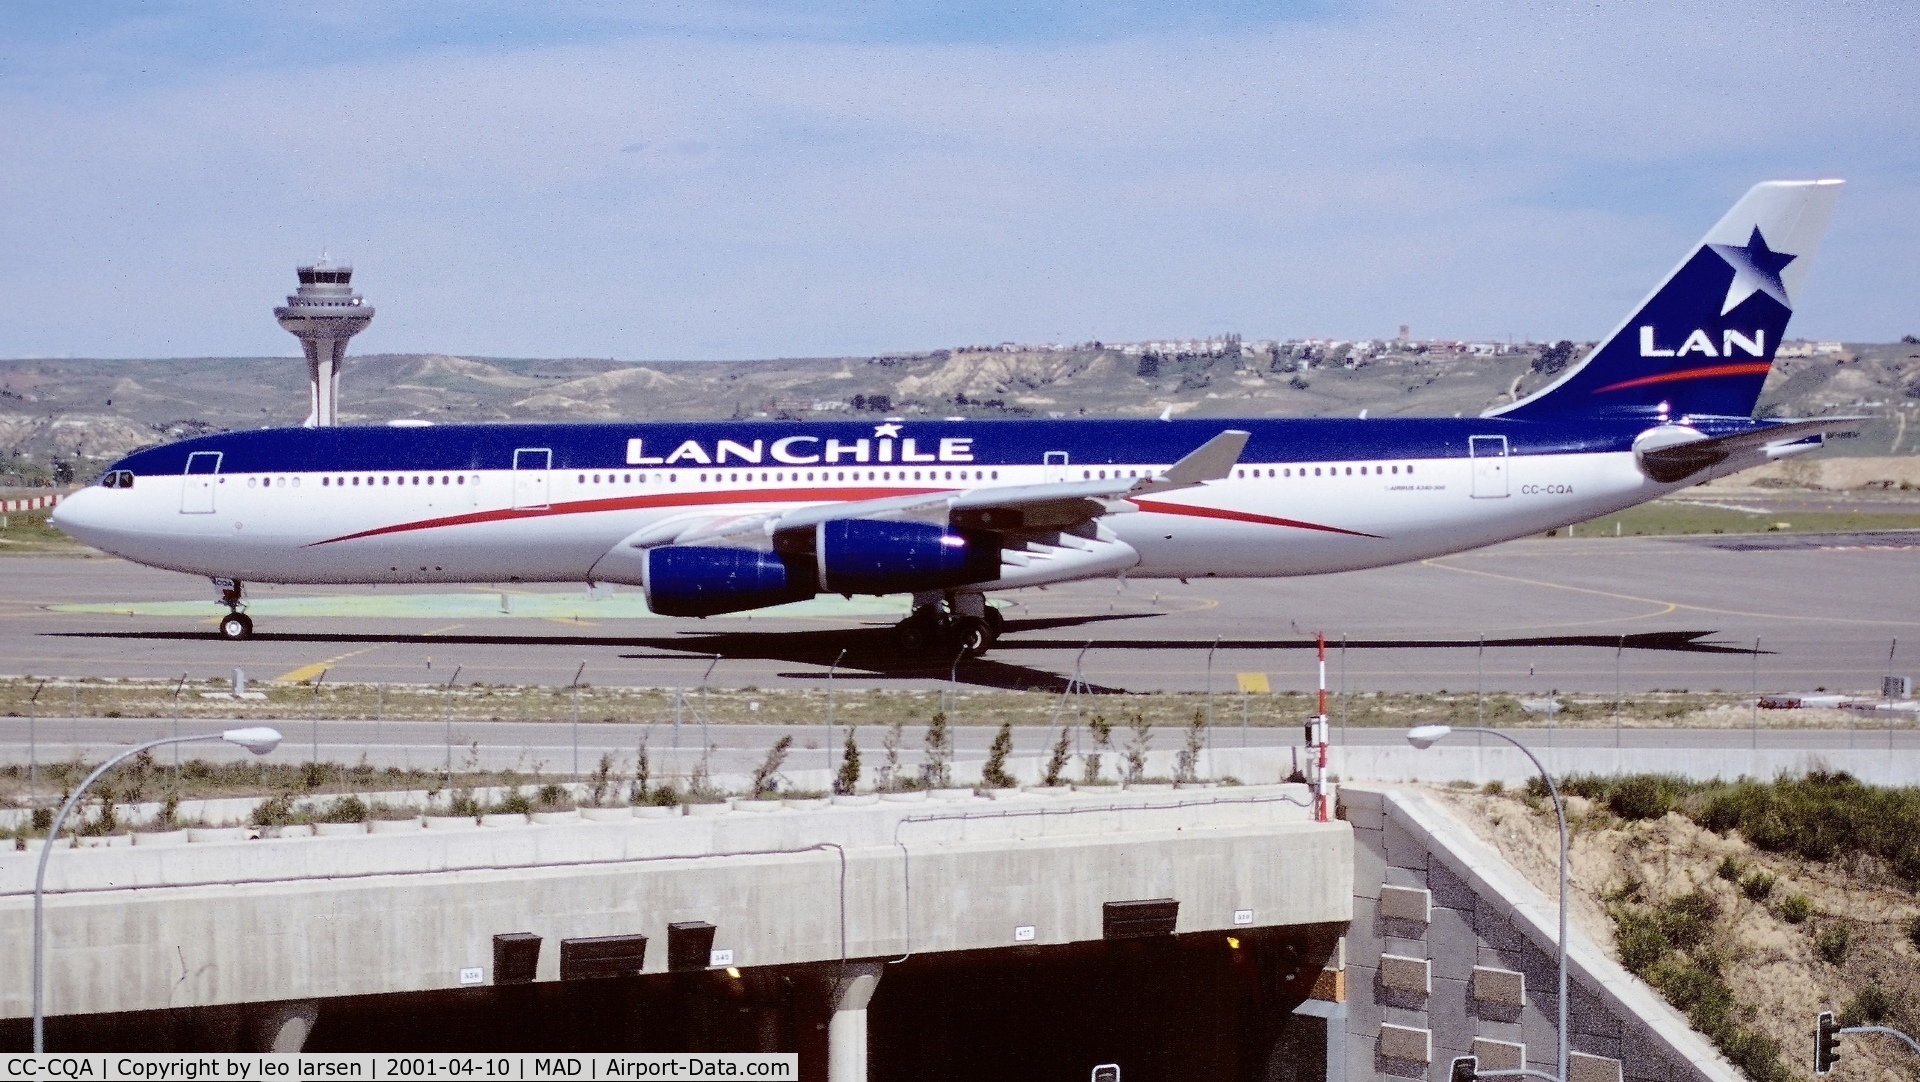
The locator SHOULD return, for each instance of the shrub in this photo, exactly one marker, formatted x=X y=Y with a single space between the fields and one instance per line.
x=848 y=776
x=766 y=776
x=1731 y=868
x=1832 y=942
x=1870 y=1007
x=890 y=778
x=1757 y=885
x=1057 y=760
x=512 y=802
x=1187 y=760
x=1691 y=980
x=994 y=775
x=1643 y=946
x=1643 y=796
x=1913 y=931
x=642 y=775
x=601 y=784
x=344 y=809
x=1136 y=754
x=936 y=771
x=1101 y=731
x=275 y=811
x=1796 y=909
x=1688 y=919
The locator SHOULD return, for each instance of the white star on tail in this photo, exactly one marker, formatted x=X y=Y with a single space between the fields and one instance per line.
x=1756 y=269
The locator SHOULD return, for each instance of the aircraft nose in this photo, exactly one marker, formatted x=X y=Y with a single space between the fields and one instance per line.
x=80 y=514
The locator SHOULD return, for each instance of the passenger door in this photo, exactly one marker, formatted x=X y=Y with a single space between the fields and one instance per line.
x=203 y=473
x=531 y=467
x=1056 y=466
x=1489 y=454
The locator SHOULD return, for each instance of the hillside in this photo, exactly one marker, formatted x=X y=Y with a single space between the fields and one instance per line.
x=87 y=412
x=1751 y=906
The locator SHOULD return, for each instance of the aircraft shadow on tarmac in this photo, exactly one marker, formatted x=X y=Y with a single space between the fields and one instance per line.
x=869 y=652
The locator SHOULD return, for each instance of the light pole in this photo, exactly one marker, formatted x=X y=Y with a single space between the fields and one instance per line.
x=830 y=671
x=259 y=741
x=1425 y=736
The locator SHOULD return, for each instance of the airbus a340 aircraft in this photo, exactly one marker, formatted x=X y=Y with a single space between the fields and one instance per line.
x=724 y=517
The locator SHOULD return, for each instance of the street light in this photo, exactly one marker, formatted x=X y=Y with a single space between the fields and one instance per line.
x=259 y=740
x=1426 y=736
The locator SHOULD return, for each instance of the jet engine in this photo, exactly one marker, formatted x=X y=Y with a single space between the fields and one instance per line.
x=689 y=580
x=875 y=556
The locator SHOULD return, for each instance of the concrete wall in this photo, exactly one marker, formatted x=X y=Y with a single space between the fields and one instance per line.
x=174 y=926
x=1444 y=936
x=1459 y=759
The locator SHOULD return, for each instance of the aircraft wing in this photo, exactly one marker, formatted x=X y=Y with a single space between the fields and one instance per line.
x=997 y=507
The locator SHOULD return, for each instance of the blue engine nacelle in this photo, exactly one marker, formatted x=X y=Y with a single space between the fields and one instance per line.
x=871 y=556
x=687 y=580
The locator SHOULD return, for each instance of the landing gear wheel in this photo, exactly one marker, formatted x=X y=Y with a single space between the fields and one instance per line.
x=910 y=635
x=996 y=623
x=974 y=635
x=236 y=627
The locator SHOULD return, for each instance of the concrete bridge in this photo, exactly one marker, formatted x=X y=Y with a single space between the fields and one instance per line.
x=1034 y=933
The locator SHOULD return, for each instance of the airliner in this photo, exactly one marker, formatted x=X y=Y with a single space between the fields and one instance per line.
x=721 y=517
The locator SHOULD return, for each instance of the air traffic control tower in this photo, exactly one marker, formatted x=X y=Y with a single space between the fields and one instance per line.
x=324 y=313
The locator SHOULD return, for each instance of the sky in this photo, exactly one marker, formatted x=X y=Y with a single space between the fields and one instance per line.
x=736 y=179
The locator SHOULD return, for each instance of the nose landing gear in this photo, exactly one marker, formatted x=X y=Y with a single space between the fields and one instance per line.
x=236 y=625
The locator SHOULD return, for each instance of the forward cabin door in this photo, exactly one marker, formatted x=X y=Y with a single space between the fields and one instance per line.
x=203 y=473
x=531 y=470
x=1056 y=466
x=1489 y=455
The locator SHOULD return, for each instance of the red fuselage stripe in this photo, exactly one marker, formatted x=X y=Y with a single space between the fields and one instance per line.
x=788 y=495
x=1758 y=368
x=1157 y=507
x=632 y=503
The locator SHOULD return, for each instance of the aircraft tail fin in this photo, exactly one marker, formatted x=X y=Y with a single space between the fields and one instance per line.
x=1703 y=341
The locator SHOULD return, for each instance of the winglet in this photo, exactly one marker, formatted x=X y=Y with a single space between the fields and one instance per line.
x=1211 y=461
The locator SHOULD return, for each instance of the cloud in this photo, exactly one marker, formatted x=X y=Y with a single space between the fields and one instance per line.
x=800 y=184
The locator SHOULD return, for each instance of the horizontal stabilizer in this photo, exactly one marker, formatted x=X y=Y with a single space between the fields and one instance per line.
x=1675 y=452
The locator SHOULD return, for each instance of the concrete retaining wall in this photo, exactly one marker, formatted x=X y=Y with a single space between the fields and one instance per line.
x=1445 y=937
x=174 y=926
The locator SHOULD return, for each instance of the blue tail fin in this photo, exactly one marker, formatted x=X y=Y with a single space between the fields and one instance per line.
x=1702 y=342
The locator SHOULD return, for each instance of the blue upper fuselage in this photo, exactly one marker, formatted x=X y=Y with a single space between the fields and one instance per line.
x=696 y=444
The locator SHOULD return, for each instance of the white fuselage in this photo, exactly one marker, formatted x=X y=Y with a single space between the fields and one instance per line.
x=1266 y=520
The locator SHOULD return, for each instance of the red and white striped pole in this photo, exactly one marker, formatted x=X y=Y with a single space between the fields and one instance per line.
x=1317 y=745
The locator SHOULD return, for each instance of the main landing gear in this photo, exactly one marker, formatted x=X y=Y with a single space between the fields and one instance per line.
x=236 y=625
x=961 y=622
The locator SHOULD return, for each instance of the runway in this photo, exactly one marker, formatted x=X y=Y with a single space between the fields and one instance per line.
x=1573 y=615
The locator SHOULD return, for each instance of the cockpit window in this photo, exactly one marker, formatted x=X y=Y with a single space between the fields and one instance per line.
x=117 y=479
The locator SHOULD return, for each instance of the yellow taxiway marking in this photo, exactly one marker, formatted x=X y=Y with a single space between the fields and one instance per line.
x=1670 y=606
x=308 y=672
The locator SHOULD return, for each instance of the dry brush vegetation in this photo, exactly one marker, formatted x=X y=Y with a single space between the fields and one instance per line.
x=1751 y=906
